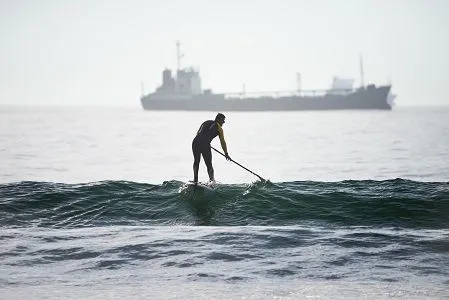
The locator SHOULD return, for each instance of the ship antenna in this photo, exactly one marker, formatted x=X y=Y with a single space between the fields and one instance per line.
x=362 y=79
x=178 y=55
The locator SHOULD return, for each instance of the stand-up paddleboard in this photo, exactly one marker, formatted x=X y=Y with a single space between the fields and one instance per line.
x=201 y=185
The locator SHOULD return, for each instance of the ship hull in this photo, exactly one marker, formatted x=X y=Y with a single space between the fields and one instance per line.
x=371 y=98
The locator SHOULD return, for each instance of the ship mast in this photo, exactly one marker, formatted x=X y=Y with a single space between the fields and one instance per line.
x=362 y=79
x=298 y=81
x=178 y=56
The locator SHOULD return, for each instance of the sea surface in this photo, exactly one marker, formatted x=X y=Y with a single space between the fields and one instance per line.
x=94 y=205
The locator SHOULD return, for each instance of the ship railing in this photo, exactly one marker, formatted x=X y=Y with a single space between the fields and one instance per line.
x=300 y=93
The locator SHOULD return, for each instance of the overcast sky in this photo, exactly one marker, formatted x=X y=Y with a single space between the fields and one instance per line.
x=100 y=51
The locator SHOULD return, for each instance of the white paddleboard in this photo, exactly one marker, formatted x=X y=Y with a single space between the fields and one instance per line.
x=201 y=185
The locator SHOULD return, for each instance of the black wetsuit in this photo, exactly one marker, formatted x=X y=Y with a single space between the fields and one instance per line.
x=201 y=143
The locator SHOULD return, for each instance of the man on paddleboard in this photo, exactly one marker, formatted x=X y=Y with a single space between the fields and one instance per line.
x=201 y=145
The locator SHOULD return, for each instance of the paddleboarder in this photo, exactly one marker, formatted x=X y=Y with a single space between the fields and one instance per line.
x=201 y=145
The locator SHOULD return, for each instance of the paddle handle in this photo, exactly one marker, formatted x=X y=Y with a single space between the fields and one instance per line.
x=260 y=177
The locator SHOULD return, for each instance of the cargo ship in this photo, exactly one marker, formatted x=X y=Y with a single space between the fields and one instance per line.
x=183 y=92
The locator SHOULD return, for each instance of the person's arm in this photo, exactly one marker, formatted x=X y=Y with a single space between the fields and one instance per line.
x=222 y=141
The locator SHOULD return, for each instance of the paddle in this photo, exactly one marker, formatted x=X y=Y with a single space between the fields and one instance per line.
x=263 y=180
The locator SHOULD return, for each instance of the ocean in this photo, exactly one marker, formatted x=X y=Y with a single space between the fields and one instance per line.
x=94 y=205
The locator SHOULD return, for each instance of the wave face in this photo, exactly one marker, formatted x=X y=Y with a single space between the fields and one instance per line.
x=392 y=203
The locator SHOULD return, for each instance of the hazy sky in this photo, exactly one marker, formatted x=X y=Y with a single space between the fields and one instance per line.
x=99 y=52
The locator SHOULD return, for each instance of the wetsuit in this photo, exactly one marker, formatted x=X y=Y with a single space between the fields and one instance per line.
x=201 y=143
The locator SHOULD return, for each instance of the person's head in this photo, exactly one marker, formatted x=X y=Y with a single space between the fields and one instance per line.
x=220 y=119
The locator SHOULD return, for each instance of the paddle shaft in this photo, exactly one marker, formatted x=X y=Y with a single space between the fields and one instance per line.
x=240 y=165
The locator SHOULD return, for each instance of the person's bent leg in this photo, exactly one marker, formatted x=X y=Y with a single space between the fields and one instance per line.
x=195 y=172
x=207 y=156
x=196 y=161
